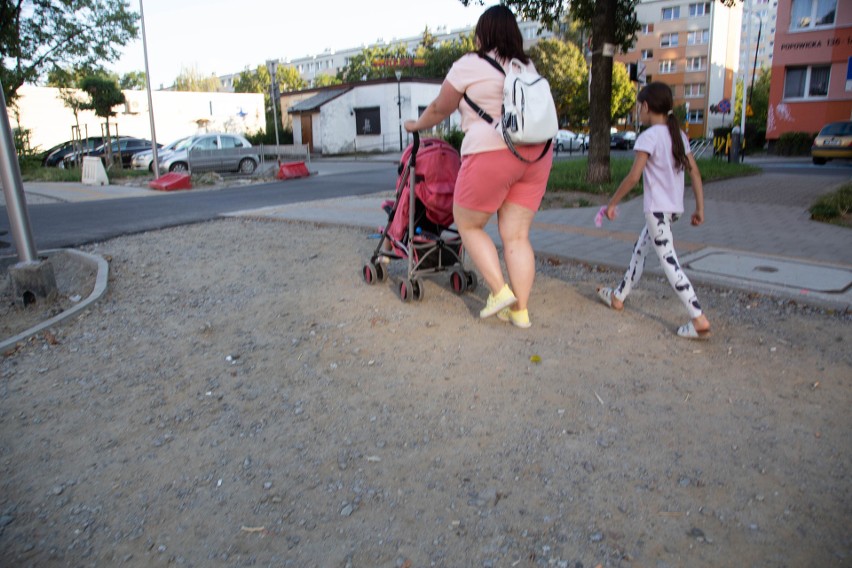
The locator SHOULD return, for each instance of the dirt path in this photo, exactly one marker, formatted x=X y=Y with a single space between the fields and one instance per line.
x=245 y=400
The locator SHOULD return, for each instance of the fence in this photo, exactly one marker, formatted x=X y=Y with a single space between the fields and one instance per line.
x=230 y=158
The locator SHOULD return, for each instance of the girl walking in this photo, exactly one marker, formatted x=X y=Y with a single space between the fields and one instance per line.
x=662 y=156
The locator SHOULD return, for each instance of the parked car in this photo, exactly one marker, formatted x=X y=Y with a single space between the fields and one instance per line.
x=567 y=141
x=833 y=141
x=54 y=157
x=126 y=145
x=145 y=160
x=623 y=140
x=229 y=159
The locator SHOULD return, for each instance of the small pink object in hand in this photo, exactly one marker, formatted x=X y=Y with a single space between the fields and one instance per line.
x=601 y=214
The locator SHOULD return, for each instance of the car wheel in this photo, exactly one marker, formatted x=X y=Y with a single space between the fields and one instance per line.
x=247 y=166
x=178 y=167
x=819 y=161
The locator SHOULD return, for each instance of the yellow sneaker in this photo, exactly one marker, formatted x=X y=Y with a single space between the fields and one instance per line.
x=494 y=304
x=518 y=318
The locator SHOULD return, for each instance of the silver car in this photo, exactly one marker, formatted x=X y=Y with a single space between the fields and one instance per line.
x=145 y=160
x=219 y=152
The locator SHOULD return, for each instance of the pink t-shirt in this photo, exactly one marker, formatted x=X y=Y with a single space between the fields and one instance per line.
x=663 y=185
x=473 y=75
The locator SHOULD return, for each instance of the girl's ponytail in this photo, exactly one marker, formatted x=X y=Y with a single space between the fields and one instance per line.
x=658 y=96
x=678 y=150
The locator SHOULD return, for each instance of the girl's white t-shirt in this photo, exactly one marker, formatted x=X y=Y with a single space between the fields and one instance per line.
x=473 y=75
x=663 y=185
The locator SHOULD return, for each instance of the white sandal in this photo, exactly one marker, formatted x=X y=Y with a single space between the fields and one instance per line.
x=605 y=294
x=688 y=331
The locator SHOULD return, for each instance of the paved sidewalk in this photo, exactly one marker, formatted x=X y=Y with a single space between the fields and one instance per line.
x=747 y=241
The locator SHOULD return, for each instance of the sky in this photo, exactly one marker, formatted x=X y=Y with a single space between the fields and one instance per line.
x=226 y=36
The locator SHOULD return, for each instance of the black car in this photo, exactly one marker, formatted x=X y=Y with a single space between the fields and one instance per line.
x=53 y=157
x=126 y=145
x=623 y=140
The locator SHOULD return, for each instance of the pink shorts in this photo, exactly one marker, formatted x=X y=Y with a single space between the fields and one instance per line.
x=488 y=179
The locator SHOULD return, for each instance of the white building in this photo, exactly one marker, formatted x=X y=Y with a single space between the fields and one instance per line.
x=363 y=117
x=176 y=114
x=760 y=23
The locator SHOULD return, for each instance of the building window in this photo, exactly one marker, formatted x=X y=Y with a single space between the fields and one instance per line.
x=698 y=37
x=699 y=9
x=668 y=40
x=807 y=82
x=696 y=63
x=693 y=90
x=647 y=54
x=668 y=66
x=805 y=14
x=647 y=28
x=368 y=121
x=695 y=117
x=672 y=13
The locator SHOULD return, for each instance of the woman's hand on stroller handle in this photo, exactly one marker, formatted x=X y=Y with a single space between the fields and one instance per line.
x=410 y=126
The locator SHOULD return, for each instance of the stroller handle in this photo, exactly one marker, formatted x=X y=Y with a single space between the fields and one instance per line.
x=415 y=145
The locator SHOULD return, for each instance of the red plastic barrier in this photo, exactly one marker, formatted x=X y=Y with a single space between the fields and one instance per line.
x=292 y=170
x=171 y=182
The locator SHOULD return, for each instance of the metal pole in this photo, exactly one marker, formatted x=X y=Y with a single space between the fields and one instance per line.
x=398 y=73
x=13 y=189
x=756 y=49
x=745 y=75
x=156 y=162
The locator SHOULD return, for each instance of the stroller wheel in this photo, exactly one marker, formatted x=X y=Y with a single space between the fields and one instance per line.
x=419 y=291
x=458 y=281
x=472 y=281
x=406 y=290
x=369 y=273
x=381 y=271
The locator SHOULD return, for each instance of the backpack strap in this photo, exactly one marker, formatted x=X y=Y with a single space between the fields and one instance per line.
x=476 y=108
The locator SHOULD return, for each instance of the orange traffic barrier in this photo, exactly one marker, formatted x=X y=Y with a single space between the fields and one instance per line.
x=291 y=170
x=171 y=182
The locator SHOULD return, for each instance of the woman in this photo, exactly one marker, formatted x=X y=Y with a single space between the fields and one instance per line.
x=491 y=179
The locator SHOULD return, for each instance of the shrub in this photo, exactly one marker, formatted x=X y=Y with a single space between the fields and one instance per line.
x=794 y=144
x=454 y=136
x=833 y=205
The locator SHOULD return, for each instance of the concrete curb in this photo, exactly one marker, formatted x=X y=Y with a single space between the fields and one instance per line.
x=101 y=280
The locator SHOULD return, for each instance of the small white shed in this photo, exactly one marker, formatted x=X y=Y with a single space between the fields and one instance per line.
x=363 y=117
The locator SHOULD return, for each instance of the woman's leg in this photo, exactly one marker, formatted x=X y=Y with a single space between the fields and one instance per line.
x=479 y=246
x=634 y=269
x=660 y=226
x=514 y=223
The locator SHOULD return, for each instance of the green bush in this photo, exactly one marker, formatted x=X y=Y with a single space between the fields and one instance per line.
x=268 y=137
x=833 y=205
x=794 y=144
x=454 y=136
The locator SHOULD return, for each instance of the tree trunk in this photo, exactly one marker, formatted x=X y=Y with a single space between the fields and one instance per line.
x=600 y=103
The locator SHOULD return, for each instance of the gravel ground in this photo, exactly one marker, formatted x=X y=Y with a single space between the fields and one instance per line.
x=246 y=400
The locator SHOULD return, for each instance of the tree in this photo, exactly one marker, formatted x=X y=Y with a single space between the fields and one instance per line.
x=439 y=58
x=133 y=80
x=623 y=92
x=36 y=36
x=326 y=80
x=104 y=94
x=361 y=67
x=564 y=67
x=191 y=80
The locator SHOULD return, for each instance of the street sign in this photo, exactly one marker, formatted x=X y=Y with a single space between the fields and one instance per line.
x=724 y=106
x=641 y=74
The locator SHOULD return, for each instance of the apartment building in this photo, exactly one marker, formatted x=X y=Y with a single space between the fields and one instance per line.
x=330 y=62
x=694 y=48
x=812 y=66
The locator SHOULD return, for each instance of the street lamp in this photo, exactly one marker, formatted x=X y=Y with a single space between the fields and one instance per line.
x=155 y=163
x=745 y=70
x=398 y=74
x=272 y=67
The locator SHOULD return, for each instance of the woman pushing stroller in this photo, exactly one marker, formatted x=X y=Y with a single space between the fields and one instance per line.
x=491 y=179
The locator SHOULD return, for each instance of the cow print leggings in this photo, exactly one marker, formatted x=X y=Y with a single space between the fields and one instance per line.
x=658 y=231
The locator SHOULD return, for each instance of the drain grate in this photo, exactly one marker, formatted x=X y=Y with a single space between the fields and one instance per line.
x=765 y=269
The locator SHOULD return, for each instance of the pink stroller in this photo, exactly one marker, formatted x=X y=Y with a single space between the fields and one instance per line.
x=419 y=222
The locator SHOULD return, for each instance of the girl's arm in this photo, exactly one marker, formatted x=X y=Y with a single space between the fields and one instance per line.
x=628 y=183
x=445 y=103
x=698 y=190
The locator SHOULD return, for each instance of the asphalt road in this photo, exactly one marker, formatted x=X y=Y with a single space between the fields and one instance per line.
x=69 y=225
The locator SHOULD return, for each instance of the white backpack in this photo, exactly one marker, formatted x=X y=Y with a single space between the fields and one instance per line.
x=529 y=113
